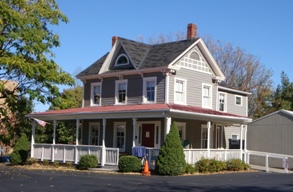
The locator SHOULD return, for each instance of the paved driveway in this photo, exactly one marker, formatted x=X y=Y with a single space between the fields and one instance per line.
x=15 y=179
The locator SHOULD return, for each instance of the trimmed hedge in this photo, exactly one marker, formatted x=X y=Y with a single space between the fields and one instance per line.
x=129 y=163
x=237 y=165
x=88 y=161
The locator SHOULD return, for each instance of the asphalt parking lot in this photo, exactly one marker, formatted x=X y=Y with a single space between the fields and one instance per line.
x=17 y=179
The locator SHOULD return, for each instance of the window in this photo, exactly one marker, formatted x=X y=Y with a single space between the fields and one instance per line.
x=206 y=96
x=120 y=135
x=181 y=128
x=121 y=60
x=180 y=91
x=222 y=101
x=238 y=100
x=149 y=89
x=94 y=130
x=121 y=91
x=96 y=94
x=204 y=137
x=194 y=55
x=234 y=139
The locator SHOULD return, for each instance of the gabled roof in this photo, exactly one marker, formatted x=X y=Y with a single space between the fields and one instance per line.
x=287 y=112
x=95 y=67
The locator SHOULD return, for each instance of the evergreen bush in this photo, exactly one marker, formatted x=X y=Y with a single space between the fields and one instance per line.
x=189 y=168
x=88 y=161
x=20 y=151
x=171 y=159
x=202 y=165
x=236 y=165
x=129 y=163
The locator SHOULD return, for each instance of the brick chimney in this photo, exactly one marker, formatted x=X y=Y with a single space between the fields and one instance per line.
x=191 y=31
x=114 y=39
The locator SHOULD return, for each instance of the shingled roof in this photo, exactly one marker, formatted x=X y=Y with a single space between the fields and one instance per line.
x=145 y=56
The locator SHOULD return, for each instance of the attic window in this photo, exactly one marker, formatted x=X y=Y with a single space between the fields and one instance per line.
x=121 y=60
x=194 y=56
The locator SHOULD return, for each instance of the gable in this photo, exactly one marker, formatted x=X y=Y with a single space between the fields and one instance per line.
x=118 y=59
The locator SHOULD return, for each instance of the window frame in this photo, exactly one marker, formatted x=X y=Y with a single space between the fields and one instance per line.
x=233 y=141
x=183 y=126
x=204 y=128
x=91 y=124
x=225 y=101
x=117 y=83
x=116 y=124
x=241 y=100
x=183 y=92
x=122 y=55
x=210 y=98
x=92 y=95
x=145 y=80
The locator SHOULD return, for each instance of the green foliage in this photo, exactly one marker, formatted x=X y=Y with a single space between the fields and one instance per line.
x=189 y=168
x=69 y=164
x=236 y=165
x=216 y=166
x=129 y=163
x=202 y=165
x=171 y=159
x=70 y=98
x=88 y=161
x=21 y=151
x=26 y=57
x=46 y=162
x=210 y=165
x=56 y=163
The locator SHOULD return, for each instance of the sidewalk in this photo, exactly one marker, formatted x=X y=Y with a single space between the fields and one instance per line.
x=273 y=170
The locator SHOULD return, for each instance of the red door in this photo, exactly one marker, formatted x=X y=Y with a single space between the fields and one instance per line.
x=148 y=135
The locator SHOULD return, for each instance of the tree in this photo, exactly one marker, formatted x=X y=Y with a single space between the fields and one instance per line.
x=26 y=56
x=283 y=96
x=21 y=150
x=171 y=159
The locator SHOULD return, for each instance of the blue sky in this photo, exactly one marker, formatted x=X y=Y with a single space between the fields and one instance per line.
x=263 y=28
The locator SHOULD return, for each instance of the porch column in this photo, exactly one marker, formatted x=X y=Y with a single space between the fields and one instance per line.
x=209 y=139
x=54 y=137
x=133 y=130
x=241 y=138
x=77 y=132
x=103 y=159
x=33 y=137
x=168 y=125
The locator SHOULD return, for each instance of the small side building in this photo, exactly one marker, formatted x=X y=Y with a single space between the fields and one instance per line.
x=273 y=134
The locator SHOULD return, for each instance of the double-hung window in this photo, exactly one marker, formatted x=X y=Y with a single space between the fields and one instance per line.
x=121 y=91
x=180 y=91
x=206 y=96
x=222 y=101
x=149 y=89
x=96 y=93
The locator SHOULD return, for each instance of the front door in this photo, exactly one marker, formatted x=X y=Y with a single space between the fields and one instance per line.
x=148 y=135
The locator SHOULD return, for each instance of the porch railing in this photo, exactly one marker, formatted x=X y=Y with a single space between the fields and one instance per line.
x=73 y=153
x=194 y=155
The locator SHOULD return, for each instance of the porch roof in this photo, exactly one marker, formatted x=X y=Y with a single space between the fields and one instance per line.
x=140 y=111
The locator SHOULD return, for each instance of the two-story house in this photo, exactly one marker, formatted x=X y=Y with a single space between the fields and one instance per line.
x=134 y=93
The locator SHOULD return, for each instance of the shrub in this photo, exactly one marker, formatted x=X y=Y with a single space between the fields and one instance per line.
x=129 y=163
x=69 y=164
x=56 y=163
x=88 y=161
x=215 y=166
x=46 y=162
x=236 y=165
x=21 y=151
x=189 y=168
x=202 y=165
x=32 y=161
x=171 y=159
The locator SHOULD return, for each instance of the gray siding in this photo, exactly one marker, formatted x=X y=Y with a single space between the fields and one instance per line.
x=236 y=109
x=228 y=131
x=271 y=134
x=134 y=89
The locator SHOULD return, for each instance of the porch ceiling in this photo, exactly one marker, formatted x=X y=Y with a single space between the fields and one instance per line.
x=141 y=111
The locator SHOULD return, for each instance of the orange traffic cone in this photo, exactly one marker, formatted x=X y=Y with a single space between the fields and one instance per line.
x=146 y=171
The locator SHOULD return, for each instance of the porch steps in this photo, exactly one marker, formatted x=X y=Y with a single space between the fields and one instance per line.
x=106 y=168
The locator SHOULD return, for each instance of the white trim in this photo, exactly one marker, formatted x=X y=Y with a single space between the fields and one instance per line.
x=246 y=106
x=118 y=82
x=157 y=125
x=235 y=102
x=184 y=90
x=234 y=90
x=225 y=101
x=122 y=55
x=92 y=95
x=91 y=124
x=116 y=124
x=210 y=100
x=144 y=97
x=167 y=83
x=203 y=126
